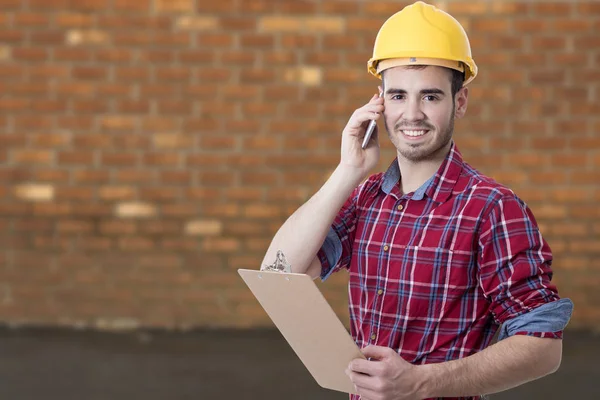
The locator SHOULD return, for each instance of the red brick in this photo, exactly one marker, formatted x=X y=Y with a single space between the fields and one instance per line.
x=31 y=54
x=587 y=42
x=135 y=74
x=90 y=176
x=202 y=193
x=79 y=89
x=135 y=176
x=585 y=178
x=91 y=73
x=464 y=7
x=92 y=140
x=249 y=76
x=132 y=38
x=237 y=24
x=73 y=20
x=299 y=41
x=133 y=107
x=135 y=243
x=76 y=157
x=52 y=209
x=220 y=245
x=51 y=175
x=33 y=225
x=263 y=179
x=133 y=5
x=340 y=7
x=119 y=159
x=74 y=123
x=30 y=19
x=261 y=211
x=172 y=40
x=176 y=177
x=11 y=36
x=11 y=4
x=48 y=106
x=258 y=41
x=259 y=245
x=33 y=157
x=218 y=40
x=90 y=106
x=174 y=107
x=172 y=74
x=244 y=228
x=162 y=194
x=159 y=227
x=74 y=226
x=280 y=58
x=197 y=57
x=242 y=58
x=552 y=9
x=11 y=72
x=161 y=159
x=565 y=25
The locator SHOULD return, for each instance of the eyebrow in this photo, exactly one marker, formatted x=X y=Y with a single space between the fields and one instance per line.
x=422 y=92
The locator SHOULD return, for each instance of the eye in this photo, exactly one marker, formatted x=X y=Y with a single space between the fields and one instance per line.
x=430 y=97
x=398 y=97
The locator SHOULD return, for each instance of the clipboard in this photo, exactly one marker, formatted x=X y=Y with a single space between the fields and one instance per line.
x=308 y=323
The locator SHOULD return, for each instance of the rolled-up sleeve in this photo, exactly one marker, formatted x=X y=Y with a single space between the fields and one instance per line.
x=515 y=273
x=336 y=251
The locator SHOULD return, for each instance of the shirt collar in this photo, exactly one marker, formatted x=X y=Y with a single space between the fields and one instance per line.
x=439 y=187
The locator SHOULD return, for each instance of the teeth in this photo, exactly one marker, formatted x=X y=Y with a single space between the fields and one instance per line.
x=414 y=133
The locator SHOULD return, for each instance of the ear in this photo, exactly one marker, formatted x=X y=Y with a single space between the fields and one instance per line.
x=461 y=100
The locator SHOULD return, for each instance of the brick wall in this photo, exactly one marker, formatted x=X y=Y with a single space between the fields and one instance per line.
x=152 y=147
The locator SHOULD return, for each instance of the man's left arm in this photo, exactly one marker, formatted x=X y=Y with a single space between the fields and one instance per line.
x=504 y=365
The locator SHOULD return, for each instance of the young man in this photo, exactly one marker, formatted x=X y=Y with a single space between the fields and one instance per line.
x=439 y=256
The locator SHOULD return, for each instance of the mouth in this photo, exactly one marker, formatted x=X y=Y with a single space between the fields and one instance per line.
x=413 y=134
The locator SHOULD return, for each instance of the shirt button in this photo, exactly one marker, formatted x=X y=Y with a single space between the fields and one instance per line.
x=400 y=207
x=373 y=336
x=386 y=247
x=380 y=291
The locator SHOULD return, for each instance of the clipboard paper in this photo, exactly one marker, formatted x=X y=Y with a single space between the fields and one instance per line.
x=308 y=323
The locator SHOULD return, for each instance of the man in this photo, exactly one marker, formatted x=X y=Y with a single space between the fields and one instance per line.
x=439 y=256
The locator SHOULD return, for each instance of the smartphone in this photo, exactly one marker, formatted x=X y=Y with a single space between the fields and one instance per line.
x=370 y=129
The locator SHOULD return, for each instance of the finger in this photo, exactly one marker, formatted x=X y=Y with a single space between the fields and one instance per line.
x=367 y=394
x=373 y=107
x=377 y=352
x=362 y=380
x=376 y=100
x=362 y=118
x=361 y=366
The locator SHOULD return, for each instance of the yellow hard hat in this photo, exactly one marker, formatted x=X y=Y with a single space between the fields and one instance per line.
x=421 y=34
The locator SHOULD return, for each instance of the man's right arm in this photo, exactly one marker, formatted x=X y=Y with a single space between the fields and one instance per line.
x=302 y=235
x=304 y=232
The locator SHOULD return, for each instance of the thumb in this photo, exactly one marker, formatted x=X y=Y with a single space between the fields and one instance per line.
x=377 y=352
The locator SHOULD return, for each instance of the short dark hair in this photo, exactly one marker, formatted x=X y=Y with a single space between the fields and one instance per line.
x=457 y=78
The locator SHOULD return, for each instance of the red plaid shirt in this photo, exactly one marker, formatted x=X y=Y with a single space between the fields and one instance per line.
x=433 y=273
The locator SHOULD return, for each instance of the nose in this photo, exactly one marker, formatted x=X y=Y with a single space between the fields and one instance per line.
x=413 y=111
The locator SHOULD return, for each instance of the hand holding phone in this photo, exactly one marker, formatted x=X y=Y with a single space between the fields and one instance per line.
x=370 y=128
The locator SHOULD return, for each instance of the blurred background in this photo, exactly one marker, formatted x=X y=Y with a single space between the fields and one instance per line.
x=150 y=148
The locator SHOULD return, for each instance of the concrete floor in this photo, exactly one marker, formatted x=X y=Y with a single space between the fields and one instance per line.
x=62 y=364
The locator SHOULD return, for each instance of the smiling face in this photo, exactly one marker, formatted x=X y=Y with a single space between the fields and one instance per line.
x=420 y=110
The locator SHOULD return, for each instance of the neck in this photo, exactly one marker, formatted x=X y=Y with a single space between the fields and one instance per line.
x=413 y=174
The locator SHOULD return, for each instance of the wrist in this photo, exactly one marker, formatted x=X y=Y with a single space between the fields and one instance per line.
x=425 y=381
x=349 y=175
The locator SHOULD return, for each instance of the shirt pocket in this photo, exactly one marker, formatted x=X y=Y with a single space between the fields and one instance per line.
x=436 y=279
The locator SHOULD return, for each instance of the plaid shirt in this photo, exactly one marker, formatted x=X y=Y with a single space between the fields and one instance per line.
x=433 y=273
